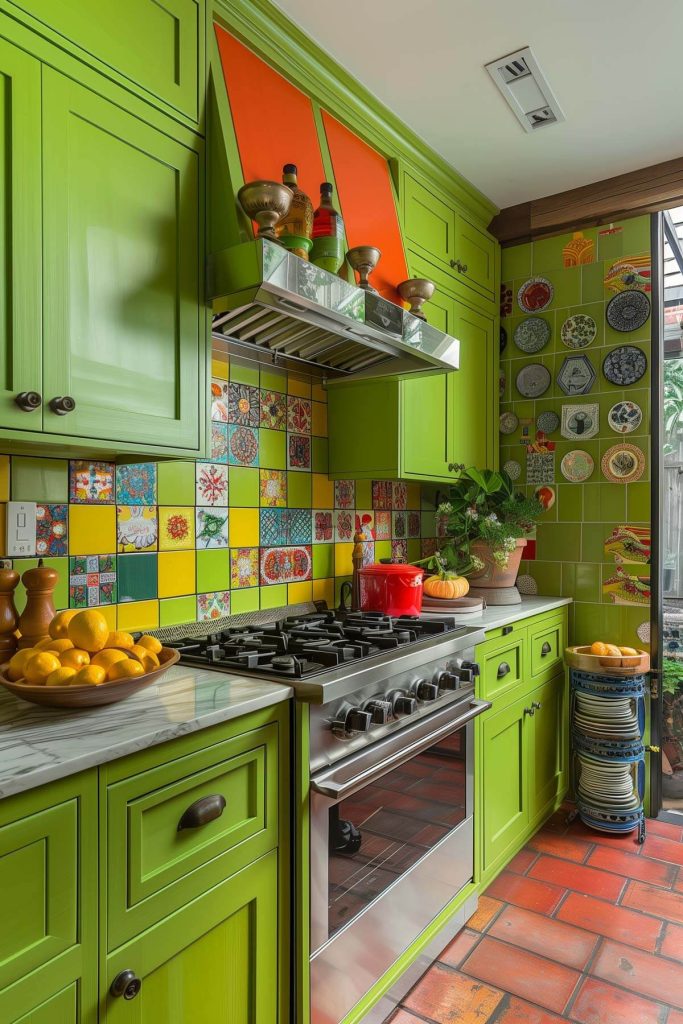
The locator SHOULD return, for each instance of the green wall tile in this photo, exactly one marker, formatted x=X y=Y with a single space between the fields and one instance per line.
x=244 y=372
x=548 y=576
x=319 y=455
x=136 y=577
x=592 y=287
x=246 y=600
x=587 y=582
x=174 y=611
x=299 y=490
x=382 y=549
x=273 y=449
x=516 y=261
x=176 y=483
x=559 y=542
x=638 y=502
x=569 y=503
x=363 y=493
x=636 y=235
x=273 y=380
x=61 y=591
x=39 y=479
x=243 y=487
x=323 y=561
x=213 y=571
x=275 y=596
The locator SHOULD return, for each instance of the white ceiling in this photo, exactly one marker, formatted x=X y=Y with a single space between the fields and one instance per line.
x=614 y=65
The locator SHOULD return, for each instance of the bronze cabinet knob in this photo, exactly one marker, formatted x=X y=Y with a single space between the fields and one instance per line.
x=126 y=984
x=28 y=401
x=62 y=405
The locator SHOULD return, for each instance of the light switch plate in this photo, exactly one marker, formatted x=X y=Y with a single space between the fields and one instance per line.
x=21 y=529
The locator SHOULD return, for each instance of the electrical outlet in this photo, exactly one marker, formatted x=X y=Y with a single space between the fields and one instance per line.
x=21 y=528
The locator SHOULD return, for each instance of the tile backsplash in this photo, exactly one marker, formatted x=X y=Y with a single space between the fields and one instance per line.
x=257 y=525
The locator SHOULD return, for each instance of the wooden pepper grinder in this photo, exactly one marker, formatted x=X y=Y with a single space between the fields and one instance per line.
x=40 y=608
x=9 y=617
x=359 y=539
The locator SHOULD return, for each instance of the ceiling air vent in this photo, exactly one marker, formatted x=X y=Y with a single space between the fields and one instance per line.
x=525 y=88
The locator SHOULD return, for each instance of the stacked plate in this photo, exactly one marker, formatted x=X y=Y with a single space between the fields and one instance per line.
x=610 y=785
x=606 y=719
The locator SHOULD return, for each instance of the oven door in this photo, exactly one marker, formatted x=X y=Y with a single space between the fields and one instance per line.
x=391 y=844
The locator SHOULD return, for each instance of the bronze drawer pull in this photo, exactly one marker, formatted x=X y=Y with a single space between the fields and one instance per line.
x=28 y=401
x=202 y=811
x=536 y=704
x=545 y=649
x=503 y=670
x=62 y=405
x=506 y=630
x=530 y=711
x=126 y=984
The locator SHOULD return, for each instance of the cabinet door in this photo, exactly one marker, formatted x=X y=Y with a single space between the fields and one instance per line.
x=214 y=961
x=473 y=399
x=504 y=804
x=427 y=222
x=425 y=440
x=61 y=1008
x=476 y=251
x=121 y=256
x=20 y=222
x=547 y=749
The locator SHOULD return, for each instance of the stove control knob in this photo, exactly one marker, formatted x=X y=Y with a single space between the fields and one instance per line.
x=473 y=666
x=426 y=691
x=379 y=711
x=447 y=681
x=404 y=705
x=358 y=721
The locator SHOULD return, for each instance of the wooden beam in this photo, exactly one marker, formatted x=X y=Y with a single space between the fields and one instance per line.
x=646 y=190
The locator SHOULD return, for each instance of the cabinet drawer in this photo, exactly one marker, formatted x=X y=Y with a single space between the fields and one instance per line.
x=547 y=642
x=502 y=667
x=155 y=866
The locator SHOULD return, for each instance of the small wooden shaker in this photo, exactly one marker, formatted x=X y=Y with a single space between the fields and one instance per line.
x=9 y=617
x=40 y=608
x=359 y=540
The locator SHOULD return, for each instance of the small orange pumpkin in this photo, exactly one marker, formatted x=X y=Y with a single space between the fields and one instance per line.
x=446 y=587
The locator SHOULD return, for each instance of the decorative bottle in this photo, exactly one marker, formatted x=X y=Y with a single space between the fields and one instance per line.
x=296 y=226
x=328 y=233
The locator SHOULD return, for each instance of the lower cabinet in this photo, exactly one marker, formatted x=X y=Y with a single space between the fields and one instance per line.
x=61 y=1008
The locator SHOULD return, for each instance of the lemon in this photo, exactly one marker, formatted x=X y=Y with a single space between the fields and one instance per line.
x=17 y=663
x=38 y=667
x=127 y=669
x=108 y=657
x=43 y=645
x=74 y=658
x=88 y=630
x=151 y=643
x=59 y=646
x=61 y=676
x=119 y=638
x=89 y=675
x=58 y=626
x=148 y=659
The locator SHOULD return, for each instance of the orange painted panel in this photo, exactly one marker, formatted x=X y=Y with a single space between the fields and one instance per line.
x=273 y=119
x=367 y=203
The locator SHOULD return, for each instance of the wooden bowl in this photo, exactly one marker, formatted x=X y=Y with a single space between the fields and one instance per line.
x=605 y=664
x=90 y=696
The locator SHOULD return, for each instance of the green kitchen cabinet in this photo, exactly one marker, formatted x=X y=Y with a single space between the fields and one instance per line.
x=548 y=756
x=474 y=396
x=505 y=782
x=61 y=1008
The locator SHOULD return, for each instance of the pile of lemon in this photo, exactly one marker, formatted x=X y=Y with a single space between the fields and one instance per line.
x=81 y=651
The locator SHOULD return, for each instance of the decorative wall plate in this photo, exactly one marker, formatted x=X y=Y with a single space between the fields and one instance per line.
x=508 y=422
x=576 y=376
x=623 y=463
x=527 y=585
x=546 y=495
x=535 y=295
x=532 y=334
x=624 y=365
x=548 y=421
x=503 y=339
x=513 y=469
x=578 y=331
x=628 y=311
x=533 y=380
x=625 y=417
x=579 y=422
x=577 y=466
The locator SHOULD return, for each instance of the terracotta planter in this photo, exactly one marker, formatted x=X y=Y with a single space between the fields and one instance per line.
x=492 y=575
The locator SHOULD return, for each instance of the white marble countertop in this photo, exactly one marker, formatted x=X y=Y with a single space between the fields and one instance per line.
x=38 y=745
x=503 y=615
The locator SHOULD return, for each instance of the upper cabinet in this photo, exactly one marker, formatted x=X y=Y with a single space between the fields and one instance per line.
x=154 y=46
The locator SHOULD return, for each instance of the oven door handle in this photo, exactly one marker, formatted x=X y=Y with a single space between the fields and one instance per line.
x=336 y=786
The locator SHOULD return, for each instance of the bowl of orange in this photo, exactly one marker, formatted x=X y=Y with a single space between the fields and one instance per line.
x=83 y=664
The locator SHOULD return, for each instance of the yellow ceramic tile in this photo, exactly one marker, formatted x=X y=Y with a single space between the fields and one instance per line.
x=4 y=477
x=244 y=527
x=319 y=428
x=176 y=527
x=220 y=368
x=297 y=592
x=323 y=590
x=109 y=612
x=318 y=393
x=343 y=563
x=323 y=491
x=176 y=573
x=92 y=529
x=135 y=615
x=298 y=386
x=413 y=495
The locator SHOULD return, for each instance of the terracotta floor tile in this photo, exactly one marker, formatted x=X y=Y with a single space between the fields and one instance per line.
x=403 y=1017
x=578 y=877
x=544 y=935
x=665 y=829
x=672 y=943
x=600 y=1003
x=484 y=914
x=518 y=1011
x=447 y=997
x=613 y=922
x=627 y=841
x=643 y=973
x=678 y=884
x=674 y=1017
x=632 y=866
x=526 y=892
x=567 y=847
x=653 y=900
x=522 y=862
x=663 y=849
x=522 y=973
x=456 y=951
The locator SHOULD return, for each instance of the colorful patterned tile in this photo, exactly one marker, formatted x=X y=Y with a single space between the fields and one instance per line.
x=211 y=484
x=273 y=488
x=298 y=452
x=413 y=524
x=428 y=546
x=137 y=527
x=92 y=580
x=285 y=565
x=382 y=492
x=243 y=405
x=51 y=530
x=273 y=527
x=211 y=527
x=343 y=525
x=382 y=525
x=136 y=484
x=298 y=415
x=176 y=527
x=219 y=400
x=219 y=442
x=368 y=553
x=136 y=578
x=273 y=410
x=300 y=526
x=243 y=445
x=364 y=521
x=323 y=526
x=244 y=567
x=344 y=493
x=213 y=606
x=91 y=483
x=399 y=494
x=399 y=550
x=399 y=525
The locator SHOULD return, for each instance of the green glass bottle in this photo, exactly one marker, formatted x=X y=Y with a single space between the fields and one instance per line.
x=328 y=233
x=296 y=226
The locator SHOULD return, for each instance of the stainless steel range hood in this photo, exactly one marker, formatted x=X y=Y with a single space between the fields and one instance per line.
x=285 y=309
